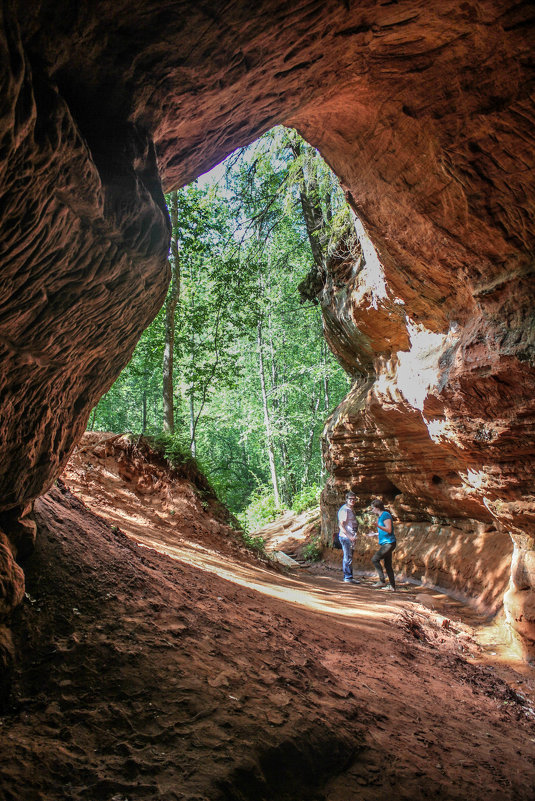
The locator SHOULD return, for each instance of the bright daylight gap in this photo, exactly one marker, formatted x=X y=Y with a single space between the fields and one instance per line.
x=235 y=370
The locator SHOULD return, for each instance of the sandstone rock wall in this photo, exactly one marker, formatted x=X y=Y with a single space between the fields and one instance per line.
x=440 y=427
x=425 y=111
x=470 y=558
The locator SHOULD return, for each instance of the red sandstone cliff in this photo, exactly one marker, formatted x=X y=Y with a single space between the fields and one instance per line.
x=424 y=110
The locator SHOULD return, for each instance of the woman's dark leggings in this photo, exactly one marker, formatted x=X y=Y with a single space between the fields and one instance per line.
x=385 y=554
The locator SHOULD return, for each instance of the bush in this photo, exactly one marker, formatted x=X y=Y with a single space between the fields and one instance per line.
x=256 y=543
x=313 y=549
x=172 y=447
x=261 y=510
x=306 y=498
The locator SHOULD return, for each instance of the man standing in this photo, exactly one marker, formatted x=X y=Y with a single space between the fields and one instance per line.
x=387 y=543
x=348 y=528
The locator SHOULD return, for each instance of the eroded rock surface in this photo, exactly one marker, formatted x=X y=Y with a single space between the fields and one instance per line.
x=424 y=110
x=441 y=427
x=141 y=676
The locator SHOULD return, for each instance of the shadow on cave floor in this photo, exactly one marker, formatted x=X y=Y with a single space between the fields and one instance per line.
x=148 y=522
x=181 y=533
x=188 y=669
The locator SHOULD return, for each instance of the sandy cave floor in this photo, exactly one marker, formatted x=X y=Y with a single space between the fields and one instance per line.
x=157 y=661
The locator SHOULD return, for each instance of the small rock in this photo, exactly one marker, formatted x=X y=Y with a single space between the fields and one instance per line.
x=274 y=717
x=221 y=680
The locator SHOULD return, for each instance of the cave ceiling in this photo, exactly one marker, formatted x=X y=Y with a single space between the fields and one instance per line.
x=425 y=112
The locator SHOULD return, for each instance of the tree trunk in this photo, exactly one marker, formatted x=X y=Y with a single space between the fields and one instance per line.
x=326 y=401
x=312 y=213
x=310 y=442
x=278 y=404
x=170 y=309
x=288 y=484
x=267 y=421
x=93 y=416
x=144 y=411
x=193 y=442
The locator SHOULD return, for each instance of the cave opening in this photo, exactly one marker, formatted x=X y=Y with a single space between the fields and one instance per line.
x=235 y=369
x=426 y=113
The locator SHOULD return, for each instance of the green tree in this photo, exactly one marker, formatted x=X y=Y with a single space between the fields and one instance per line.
x=252 y=380
x=171 y=304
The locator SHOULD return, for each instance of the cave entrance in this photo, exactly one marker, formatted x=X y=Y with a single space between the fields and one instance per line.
x=235 y=369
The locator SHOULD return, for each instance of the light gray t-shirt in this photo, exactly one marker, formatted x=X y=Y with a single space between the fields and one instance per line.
x=346 y=515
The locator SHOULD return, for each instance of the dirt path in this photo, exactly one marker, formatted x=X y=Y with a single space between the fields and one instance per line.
x=318 y=587
x=160 y=661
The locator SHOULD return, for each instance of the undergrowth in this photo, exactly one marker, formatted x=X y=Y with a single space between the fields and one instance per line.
x=313 y=550
x=172 y=448
x=255 y=543
x=307 y=498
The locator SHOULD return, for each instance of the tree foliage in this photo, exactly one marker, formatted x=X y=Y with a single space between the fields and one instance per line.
x=253 y=380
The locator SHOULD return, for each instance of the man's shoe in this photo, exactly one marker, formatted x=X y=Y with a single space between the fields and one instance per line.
x=389 y=587
x=351 y=581
x=380 y=585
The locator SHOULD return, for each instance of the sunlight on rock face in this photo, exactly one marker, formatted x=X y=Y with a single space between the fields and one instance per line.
x=439 y=430
x=419 y=369
x=476 y=479
x=373 y=269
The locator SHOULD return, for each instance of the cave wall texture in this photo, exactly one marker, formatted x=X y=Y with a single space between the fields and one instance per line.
x=425 y=111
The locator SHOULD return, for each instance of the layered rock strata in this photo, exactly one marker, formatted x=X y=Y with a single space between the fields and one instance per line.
x=424 y=110
x=442 y=430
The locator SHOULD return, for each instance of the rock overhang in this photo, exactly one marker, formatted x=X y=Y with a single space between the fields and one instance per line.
x=425 y=112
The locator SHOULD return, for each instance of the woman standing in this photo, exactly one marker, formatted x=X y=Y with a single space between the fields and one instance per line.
x=387 y=543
